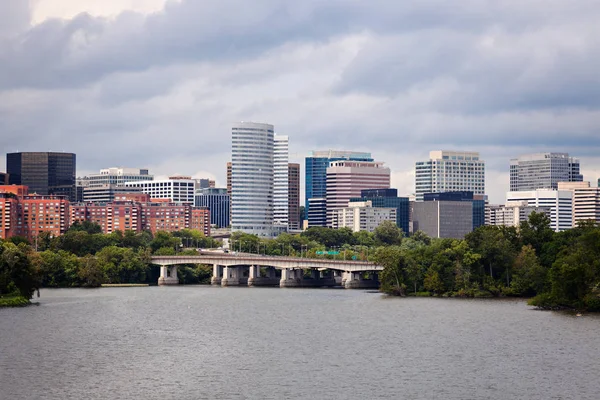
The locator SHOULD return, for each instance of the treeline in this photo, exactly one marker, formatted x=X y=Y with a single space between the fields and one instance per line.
x=84 y=257
x=557 y=270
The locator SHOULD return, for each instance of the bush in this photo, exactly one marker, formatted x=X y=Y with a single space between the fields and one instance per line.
x=592 y=302
x=17 y=301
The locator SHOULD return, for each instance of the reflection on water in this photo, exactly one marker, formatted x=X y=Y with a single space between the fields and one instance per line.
x=266 y=343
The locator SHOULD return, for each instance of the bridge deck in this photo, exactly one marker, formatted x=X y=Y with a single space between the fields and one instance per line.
x=229 y=260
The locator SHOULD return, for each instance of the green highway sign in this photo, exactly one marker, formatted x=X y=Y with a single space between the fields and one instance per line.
x=331 y=253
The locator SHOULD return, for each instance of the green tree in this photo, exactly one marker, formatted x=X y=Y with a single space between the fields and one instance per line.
x=85 y=226
x=17 y=270
x=432 y=281
x=536 y=232
x=529 y=277
x=164 y=239
x=393 y=261
x=388 y=233
x=90 y=272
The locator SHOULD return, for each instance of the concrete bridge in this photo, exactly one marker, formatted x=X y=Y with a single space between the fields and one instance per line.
x=257 y=270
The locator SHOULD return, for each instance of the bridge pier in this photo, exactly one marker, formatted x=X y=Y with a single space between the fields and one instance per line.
x=168 y=275
x=217 y=275
x=231 y=276
x=355 y=280
x=291 y=277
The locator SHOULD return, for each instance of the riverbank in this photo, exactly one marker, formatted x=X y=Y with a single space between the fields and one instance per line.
x=14 y=301
x=125 y=285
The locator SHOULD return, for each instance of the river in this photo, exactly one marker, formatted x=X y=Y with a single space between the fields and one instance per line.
x=197 y=342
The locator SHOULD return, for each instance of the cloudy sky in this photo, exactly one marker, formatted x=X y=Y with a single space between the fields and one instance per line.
x=157 y=83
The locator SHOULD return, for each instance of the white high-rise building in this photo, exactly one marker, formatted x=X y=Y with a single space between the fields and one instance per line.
x=586 y=201
x=281 y=181
x=178 y=189
x=560 y=203
x=252 y=175
x=449 y=171
x=362 y=216
x=116 y=176
x=543 y=171
x=513 y=213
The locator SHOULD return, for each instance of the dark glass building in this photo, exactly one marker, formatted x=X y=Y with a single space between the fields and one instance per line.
x=43 y=172
x=217 y=201
x=477 y=200
x=388 y=198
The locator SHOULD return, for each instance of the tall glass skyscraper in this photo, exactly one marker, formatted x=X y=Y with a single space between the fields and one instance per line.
x=252 y=173
x=316 y=174
x=45 y=173
x=543 y=171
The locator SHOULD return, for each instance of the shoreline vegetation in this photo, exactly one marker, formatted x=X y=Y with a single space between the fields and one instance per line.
x=555 y=270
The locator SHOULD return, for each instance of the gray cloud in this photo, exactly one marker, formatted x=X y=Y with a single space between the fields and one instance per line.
x=395 y=78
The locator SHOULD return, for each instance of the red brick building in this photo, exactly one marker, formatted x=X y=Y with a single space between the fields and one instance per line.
x=138 y=216
x=200 y=220
x=29 y=215
x=9 y=204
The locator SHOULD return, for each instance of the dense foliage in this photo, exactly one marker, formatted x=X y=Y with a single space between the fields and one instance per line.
x=555 y=269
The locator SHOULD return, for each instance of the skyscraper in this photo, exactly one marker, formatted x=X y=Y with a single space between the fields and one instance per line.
x=294 y=196
x=280 y=180
x=449 y=171
x=543 y=171
x=252 y=153
x=346 y=179
x=45 y=173
x=316 y=178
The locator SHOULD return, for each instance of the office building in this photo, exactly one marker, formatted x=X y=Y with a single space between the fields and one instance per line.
x=316 y=212
x=252 y=153
x=281 y=181
x=44 y=173
x=294 y=196
x=204 y=183
x=346 y=179
x=543 y=171
x=116 y=176
x=586 y=201
x=388 y=198
x=217 y=201
x=177 y=189
x=443 y=219
x=362 y=216
x=316 y=172
x=106 y=193
x=560 y=203
x=450 y=171
x=477 y=200
x=3 y=178
x=513 y=213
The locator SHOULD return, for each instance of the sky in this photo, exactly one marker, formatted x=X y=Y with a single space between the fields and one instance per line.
x=158 y=83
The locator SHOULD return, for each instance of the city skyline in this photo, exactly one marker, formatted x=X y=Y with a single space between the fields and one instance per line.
x=488 y=84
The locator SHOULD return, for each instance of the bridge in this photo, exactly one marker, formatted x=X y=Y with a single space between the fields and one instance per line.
x=257 y=270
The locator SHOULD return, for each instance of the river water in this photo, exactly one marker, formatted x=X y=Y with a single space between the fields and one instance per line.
x=196 y=342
